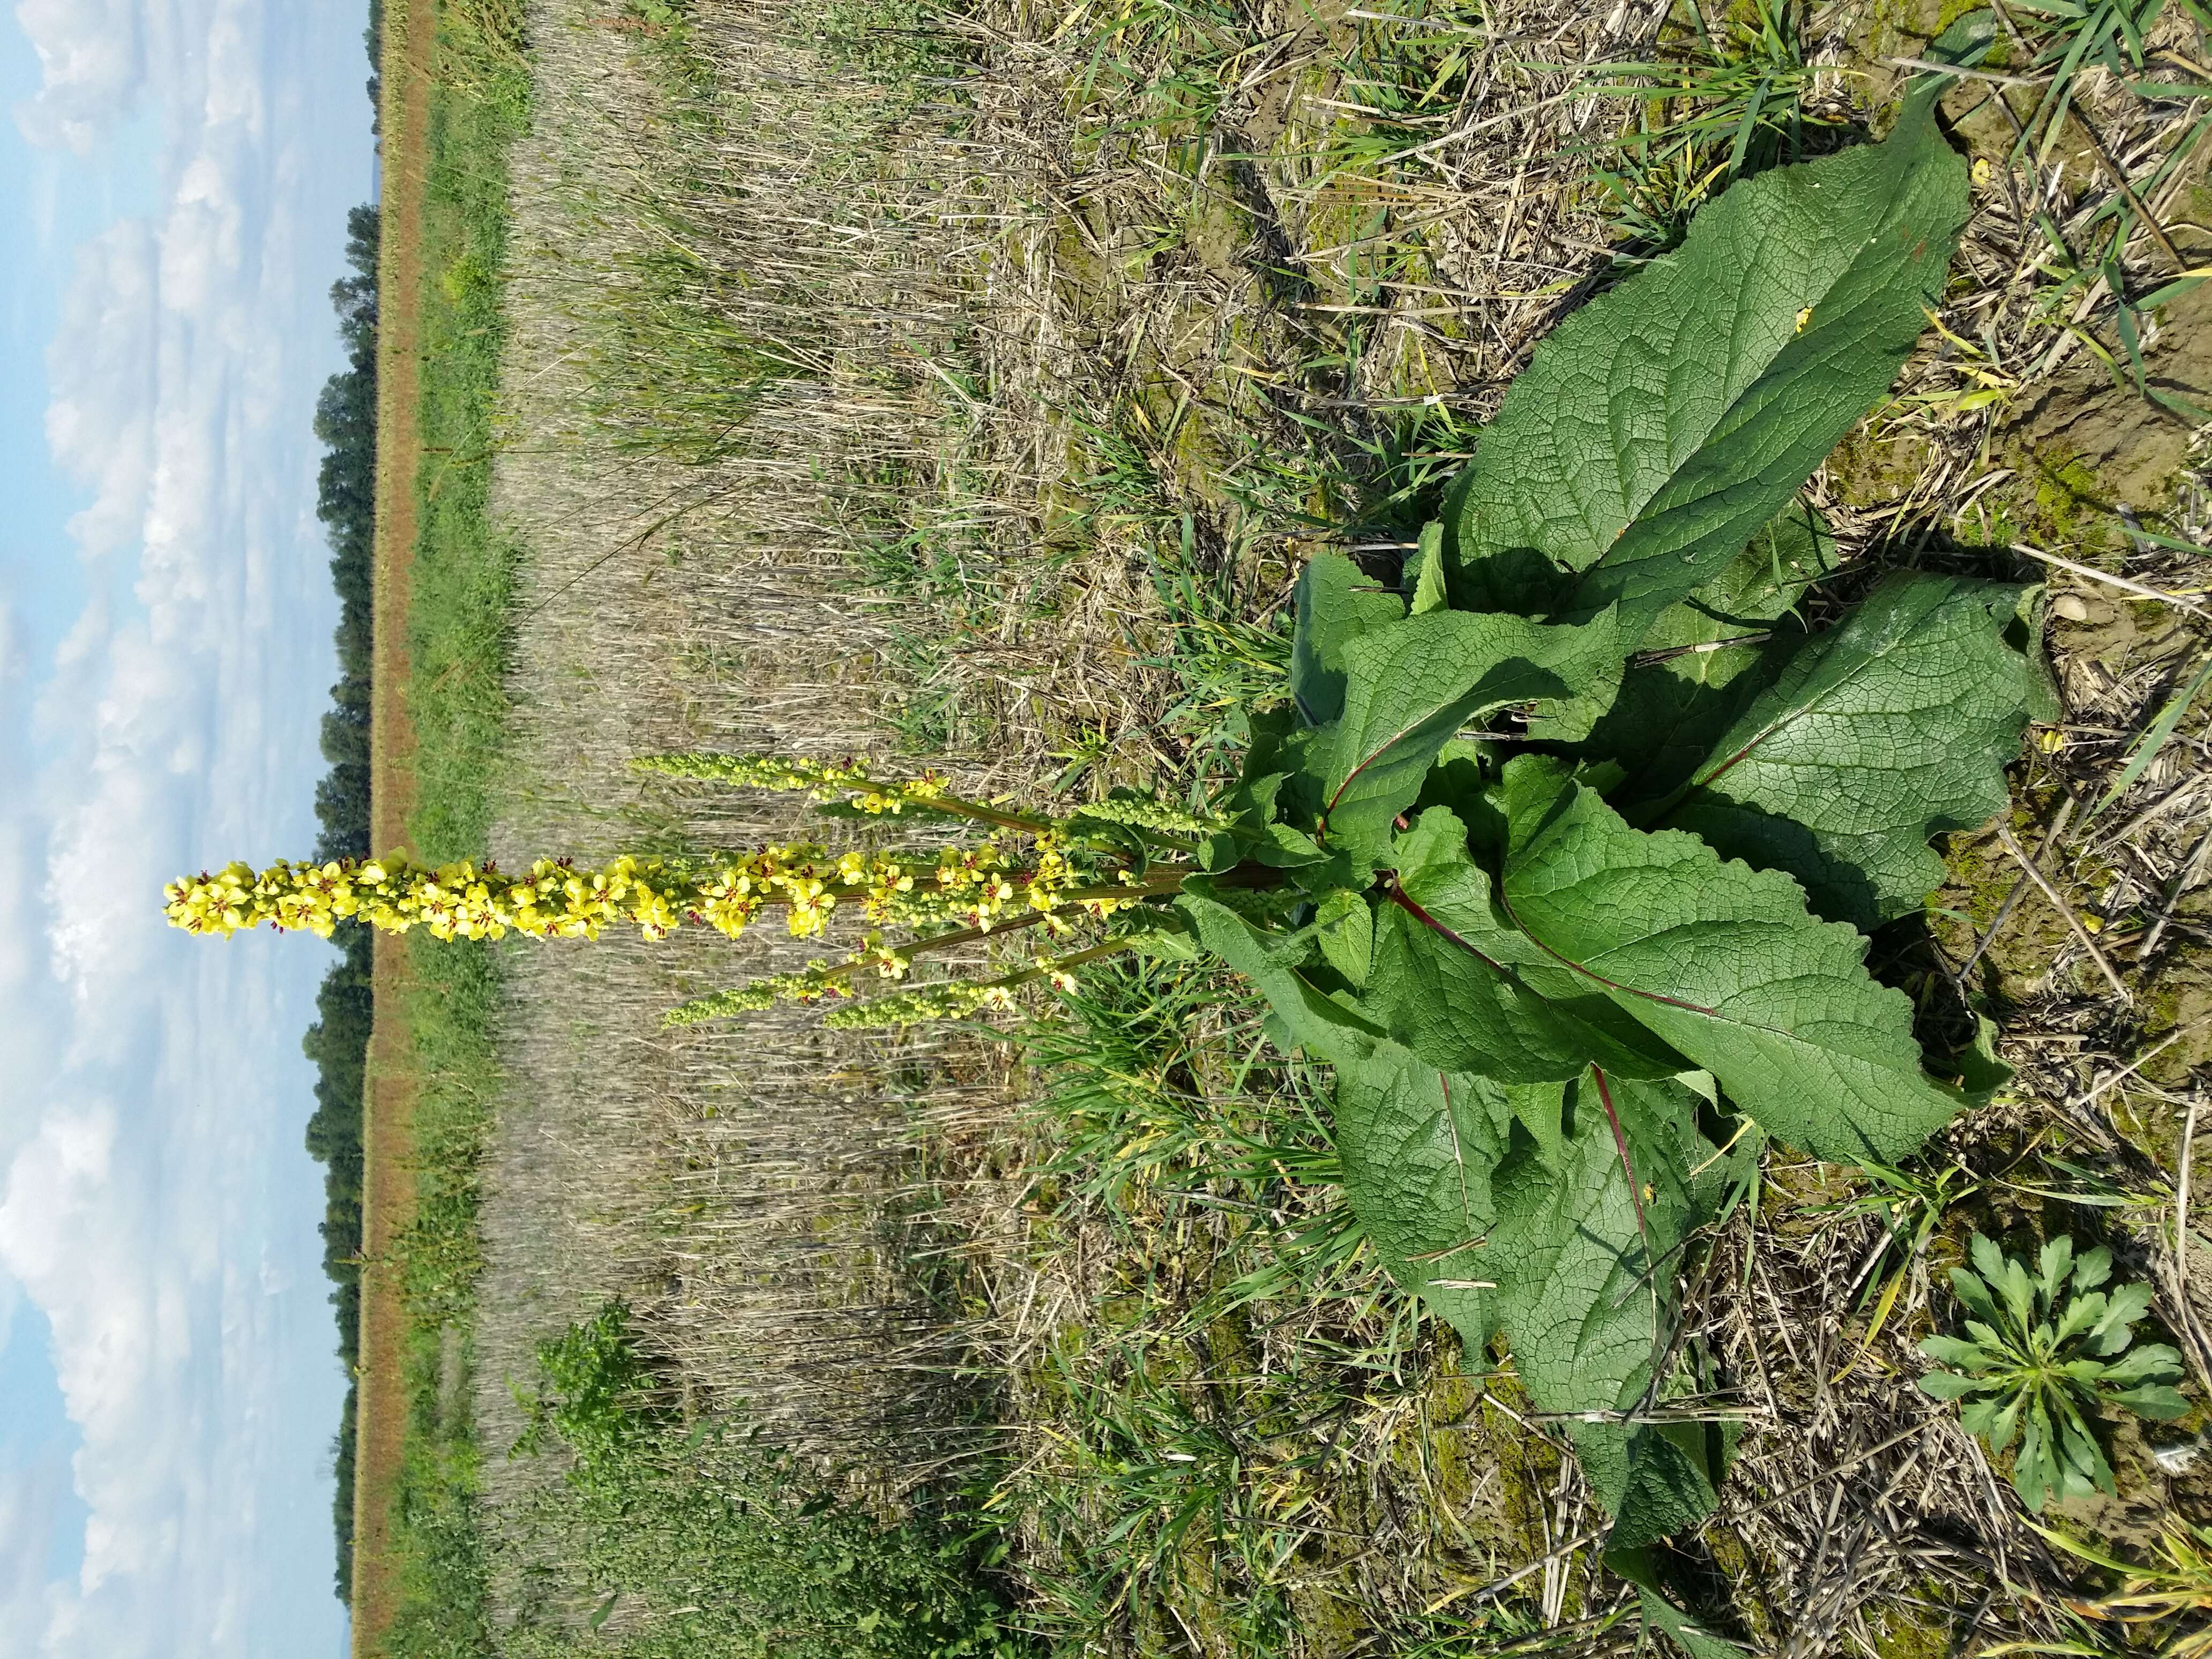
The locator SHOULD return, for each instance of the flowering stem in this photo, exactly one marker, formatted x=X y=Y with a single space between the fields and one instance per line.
x=1060 y=964
x=1167 y=880
x=953 y=806
x=938 y=942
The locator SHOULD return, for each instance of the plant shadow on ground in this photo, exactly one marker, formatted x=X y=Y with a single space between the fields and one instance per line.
x=1251 y=1410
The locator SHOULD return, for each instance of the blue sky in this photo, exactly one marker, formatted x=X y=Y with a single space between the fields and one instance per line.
x=174 y=176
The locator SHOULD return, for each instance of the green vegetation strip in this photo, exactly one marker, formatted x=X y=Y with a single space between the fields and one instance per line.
x=462 y=581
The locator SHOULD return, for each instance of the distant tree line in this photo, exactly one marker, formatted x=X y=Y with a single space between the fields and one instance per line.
x=373 y=38
x=345 y=422
x=345 y=1008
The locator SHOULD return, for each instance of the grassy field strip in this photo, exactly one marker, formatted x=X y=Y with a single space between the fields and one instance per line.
x=409 y=30
x=388 y=1184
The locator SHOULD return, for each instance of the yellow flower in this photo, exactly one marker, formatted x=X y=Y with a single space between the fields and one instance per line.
x=982 y=886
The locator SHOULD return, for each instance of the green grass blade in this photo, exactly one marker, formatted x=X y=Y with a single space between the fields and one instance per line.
x=2153 y=739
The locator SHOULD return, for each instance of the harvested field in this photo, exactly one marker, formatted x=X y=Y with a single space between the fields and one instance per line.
x=969 y=389
x=737 y=1199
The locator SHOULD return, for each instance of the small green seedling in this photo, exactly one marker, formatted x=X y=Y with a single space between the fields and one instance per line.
x=2039 y=1363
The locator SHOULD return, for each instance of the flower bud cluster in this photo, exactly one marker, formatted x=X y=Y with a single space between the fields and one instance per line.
x=973 y=886
x=452 y=901
x=812 y=983
x=1161 y=816
x=953 y=998
x=822 y=780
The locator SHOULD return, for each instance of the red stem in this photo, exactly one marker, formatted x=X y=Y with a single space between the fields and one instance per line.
x=1620 y=1142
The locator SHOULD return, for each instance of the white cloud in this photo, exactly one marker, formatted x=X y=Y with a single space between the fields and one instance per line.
x=68 y=1236
x=201 y=241
x=154 y=1202
x=19 y=932
x=105 y=367
x=23 y=956
x=237 y=96
x=92 y=61
x=33 y=1499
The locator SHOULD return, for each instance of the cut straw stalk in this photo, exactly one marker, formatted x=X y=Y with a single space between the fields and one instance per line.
x=2065 y=910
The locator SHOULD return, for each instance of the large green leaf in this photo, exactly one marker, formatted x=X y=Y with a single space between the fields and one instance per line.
x=1557 y=1210
x=1702 y=659
x=1409 y=687
x=1579 y=1252
x=1592 y=1212
x=1525 y=1207
x=1725 y=963
x=1450 y=982
x=1337 y=602
x=1418 y=1142
x=1327 y=1027
x=1659 y=426
x=1891 y=728
x=1417 y=1146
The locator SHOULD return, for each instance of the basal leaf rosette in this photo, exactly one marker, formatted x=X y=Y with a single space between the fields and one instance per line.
x=2040 y=1359
x=1588 y=828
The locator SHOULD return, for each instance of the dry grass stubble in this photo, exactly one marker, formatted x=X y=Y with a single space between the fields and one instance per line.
x=964 y=345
